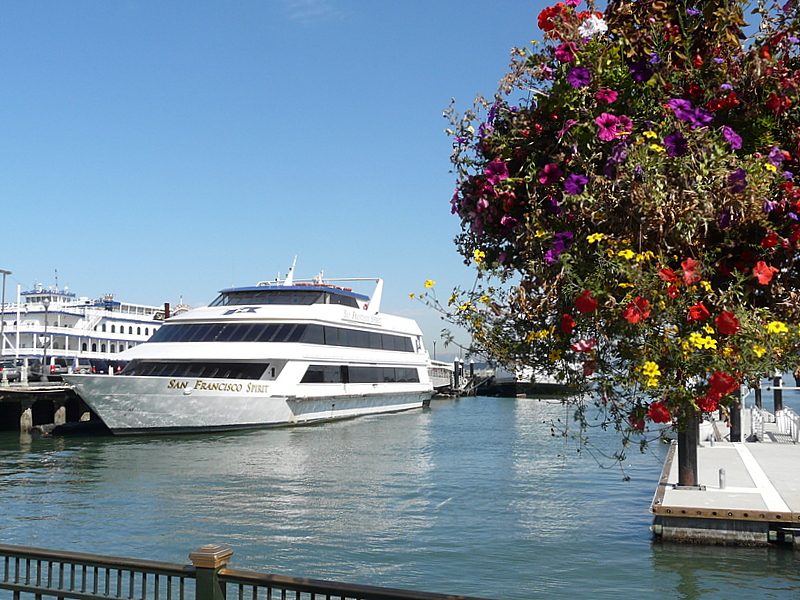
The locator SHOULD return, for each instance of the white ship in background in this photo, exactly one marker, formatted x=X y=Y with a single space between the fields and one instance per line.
x=279 y=352
x=53 y=322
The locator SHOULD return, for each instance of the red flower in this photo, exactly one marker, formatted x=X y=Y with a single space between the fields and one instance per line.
x=585 y=303
x=770 y=240
x=673 y=291
x=589 y=367
x=546 y=22
x=567 y=323
x=709 y=402
x=727 y=323
x=698 y=312
x=722 y=383
x=668 y=275
x=659 y=413
x=689 y=266
x=636 y=422
x=636 y=310
x=764 y=272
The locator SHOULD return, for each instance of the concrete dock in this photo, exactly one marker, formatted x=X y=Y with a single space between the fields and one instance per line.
x=748 y=492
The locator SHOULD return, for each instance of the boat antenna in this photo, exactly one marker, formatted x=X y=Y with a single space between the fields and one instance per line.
x=290 y=275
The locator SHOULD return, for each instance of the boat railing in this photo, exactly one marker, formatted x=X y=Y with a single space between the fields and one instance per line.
x=40 y=574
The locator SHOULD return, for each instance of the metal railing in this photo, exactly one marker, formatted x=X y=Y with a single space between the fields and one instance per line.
x=788 y=423
x=757 y=423
x=39 y=574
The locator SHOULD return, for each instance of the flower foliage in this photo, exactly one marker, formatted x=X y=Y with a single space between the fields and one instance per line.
x=630 y=189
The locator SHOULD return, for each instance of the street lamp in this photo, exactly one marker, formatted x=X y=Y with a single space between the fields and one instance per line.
x=3 y=318
x=46 y=341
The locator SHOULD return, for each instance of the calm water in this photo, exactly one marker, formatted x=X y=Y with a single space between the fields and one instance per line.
x=472 y=496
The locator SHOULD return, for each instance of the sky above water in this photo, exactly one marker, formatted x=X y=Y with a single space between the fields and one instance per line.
x=161 y=151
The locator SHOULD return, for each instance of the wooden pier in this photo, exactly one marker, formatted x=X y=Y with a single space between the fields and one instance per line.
x=748 y=492
x=40 y=407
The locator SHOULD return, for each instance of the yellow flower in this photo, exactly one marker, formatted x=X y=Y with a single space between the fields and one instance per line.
x=650 y=134
x=540 y=233
x=708 y=329
x=759 y=350
x=770 y=167
x=706 y=285
x=651 y=370
x=657 y=148
x=555 y=356
x=626 y=285
x=777 y=327
x=651 y=383
x=429 y=283
x=626 y=254
x=595 y=237
x=484 y=299
x=703 y=342
x=465 y=306
x=412 y=296
x=453 y=300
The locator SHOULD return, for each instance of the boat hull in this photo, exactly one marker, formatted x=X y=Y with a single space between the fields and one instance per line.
x=141 y=405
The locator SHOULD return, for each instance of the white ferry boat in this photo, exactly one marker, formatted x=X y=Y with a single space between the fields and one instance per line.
x=54 y=323
x=278 y=353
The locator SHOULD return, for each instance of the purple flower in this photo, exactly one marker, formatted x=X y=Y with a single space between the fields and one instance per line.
x=725 y=219
x=551 y=206
x=654 y=59
x=550 y=174
x=492 y=114
x=561 y=241
x=769 y=206
x=640 y=71
x=607 y=123
x=575 y=183
x=719 y=61
x=696 y=117
x=693 y=12
x=726 y=87
x=733 y=138
x=775 y=157
x=676 y=144
x=793 y=39
x=579 y=77
x=737 y=181
x=496 y=171
x=788 y=175
x=485 y=129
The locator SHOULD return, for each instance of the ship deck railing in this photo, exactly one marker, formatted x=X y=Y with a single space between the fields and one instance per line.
x=41 y=574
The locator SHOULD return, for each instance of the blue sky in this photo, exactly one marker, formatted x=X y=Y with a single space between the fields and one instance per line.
x=165 y=150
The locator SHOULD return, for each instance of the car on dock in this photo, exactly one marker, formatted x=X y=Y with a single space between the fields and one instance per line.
x=9 y=370
x=57 y=366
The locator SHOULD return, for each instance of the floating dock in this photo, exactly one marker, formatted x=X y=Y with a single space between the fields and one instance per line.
x=748 y=493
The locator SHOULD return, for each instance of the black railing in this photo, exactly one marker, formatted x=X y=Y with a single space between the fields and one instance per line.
x=39 y=574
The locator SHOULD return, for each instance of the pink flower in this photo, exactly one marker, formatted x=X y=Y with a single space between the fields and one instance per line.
x=565 y=52
x=584 y=345
x=496 y=171
x=608 y=127
x=607 y=96
x=550 y=174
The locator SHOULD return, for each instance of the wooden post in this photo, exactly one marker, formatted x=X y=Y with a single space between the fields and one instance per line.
x=26 y=418
x=687 y=452
x=207 y=561
x=777 y=392
x=736 y=416
x=60 y=413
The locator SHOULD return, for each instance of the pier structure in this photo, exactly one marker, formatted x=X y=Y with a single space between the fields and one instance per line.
x=40 y=406
x=748 y=483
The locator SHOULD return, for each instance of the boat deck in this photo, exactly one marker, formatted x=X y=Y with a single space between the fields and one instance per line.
x=748 y=492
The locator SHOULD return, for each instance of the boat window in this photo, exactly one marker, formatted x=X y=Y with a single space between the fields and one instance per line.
x=351 y=374
x=282 y=332
x=322 y=374
x=217 y=370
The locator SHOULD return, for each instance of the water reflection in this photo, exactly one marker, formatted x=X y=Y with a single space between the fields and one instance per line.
x=473 y=496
